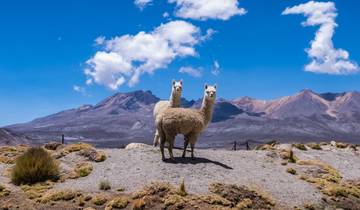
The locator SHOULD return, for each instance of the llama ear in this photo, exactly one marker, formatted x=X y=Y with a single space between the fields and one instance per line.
x=181 y=81
x=215 y=86
x=206 y=86
x=173 y=82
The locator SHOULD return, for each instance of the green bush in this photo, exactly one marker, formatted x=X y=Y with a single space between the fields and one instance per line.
x=35 y=165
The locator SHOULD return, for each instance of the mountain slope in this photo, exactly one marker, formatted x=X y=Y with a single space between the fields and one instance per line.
x=127 y=117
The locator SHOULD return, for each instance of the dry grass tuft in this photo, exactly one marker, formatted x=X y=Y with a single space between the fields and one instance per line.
x=160 y=188
x=104 y=185
x=58 y=195
x=36 y=190
x=138 y=204
x=182 y=190
x=99 y=199
x=3 y=191
x=237 y=194
x=175 y=201
x=214 y=200
x=300 y=146
x=314 y=146
x=341 y=145
x=8 y=154
x=35 y=165
x=83 y=169
x=118 y=202
x=93 y=155
x=291 y=171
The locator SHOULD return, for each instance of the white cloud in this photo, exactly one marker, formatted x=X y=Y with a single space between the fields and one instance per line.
x=194 y=72
x=142 y=3
x=205 y=9
x=126 y=58
x=324 y=57
x=100 y=40
x=165 y=14
x=81 y=90
x=216 y=68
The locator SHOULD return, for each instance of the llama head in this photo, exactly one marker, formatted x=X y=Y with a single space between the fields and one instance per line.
x=177 y=87
x=210 y=92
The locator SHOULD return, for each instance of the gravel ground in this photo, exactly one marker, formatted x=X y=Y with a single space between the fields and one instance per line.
x=133 y=168
x=136 y=167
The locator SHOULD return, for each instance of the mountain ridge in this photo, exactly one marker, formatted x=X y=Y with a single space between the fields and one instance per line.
x=126 y=117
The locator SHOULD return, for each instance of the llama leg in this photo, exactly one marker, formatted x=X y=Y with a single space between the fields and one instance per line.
x=156 y=138
x=186 y=143
x=192 y=145
x=162 y=145
x=170 y=147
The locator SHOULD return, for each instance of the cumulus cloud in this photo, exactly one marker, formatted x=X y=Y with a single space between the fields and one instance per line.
x=216 y=68
x=141 y=4
x=125 y=58
x=205 y=9
x=324 y=57
x=194 y=72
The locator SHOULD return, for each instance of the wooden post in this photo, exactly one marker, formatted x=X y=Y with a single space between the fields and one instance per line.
x=62 y=139
x=247 y=145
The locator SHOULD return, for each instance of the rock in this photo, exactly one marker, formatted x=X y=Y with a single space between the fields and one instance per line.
x=93 y=155
x=52 y=145
x=137 y=146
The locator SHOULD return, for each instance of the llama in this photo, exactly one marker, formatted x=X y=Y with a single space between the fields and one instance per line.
x=161 y=106
x=189 y=122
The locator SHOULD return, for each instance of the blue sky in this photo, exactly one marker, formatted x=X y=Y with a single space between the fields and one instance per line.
x=45 y=46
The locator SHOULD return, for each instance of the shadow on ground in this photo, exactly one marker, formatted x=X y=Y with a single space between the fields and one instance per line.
x=194 y=161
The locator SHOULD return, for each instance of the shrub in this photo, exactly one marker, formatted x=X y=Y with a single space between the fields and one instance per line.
x=119 y=202
x=138 y=204
x=182 y=190
x=300 y=146
x=35 y=165
x=104 y=185
x=99 y=199
x=314 y=146
x=83 y=169
x=291 y=171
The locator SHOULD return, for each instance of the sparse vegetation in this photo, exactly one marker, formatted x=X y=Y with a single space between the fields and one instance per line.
x=138 y=204
x=83 y=169
x=93 y=155
x=8 y=154
x=314 y=146
x=99 y=199
x=104 y=185
x=36 y=190
x=35 y=165
x=57 y=195
x=118 y=202
x=341 y=145
x=291 y=171
x=300 y=146
x=182 y=190
x=3 y=191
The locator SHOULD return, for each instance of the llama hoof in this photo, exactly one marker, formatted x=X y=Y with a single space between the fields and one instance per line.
x=163 y=159
x=183 y=156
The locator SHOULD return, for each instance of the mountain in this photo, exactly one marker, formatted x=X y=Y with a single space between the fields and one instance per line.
x=127 y=117
x=7 y=137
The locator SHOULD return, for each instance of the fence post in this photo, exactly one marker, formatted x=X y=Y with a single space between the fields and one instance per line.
x=247 y=145
x=62 y=139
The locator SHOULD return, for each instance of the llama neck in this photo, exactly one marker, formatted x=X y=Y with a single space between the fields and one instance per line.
x=207 y=110
x=175 y=100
